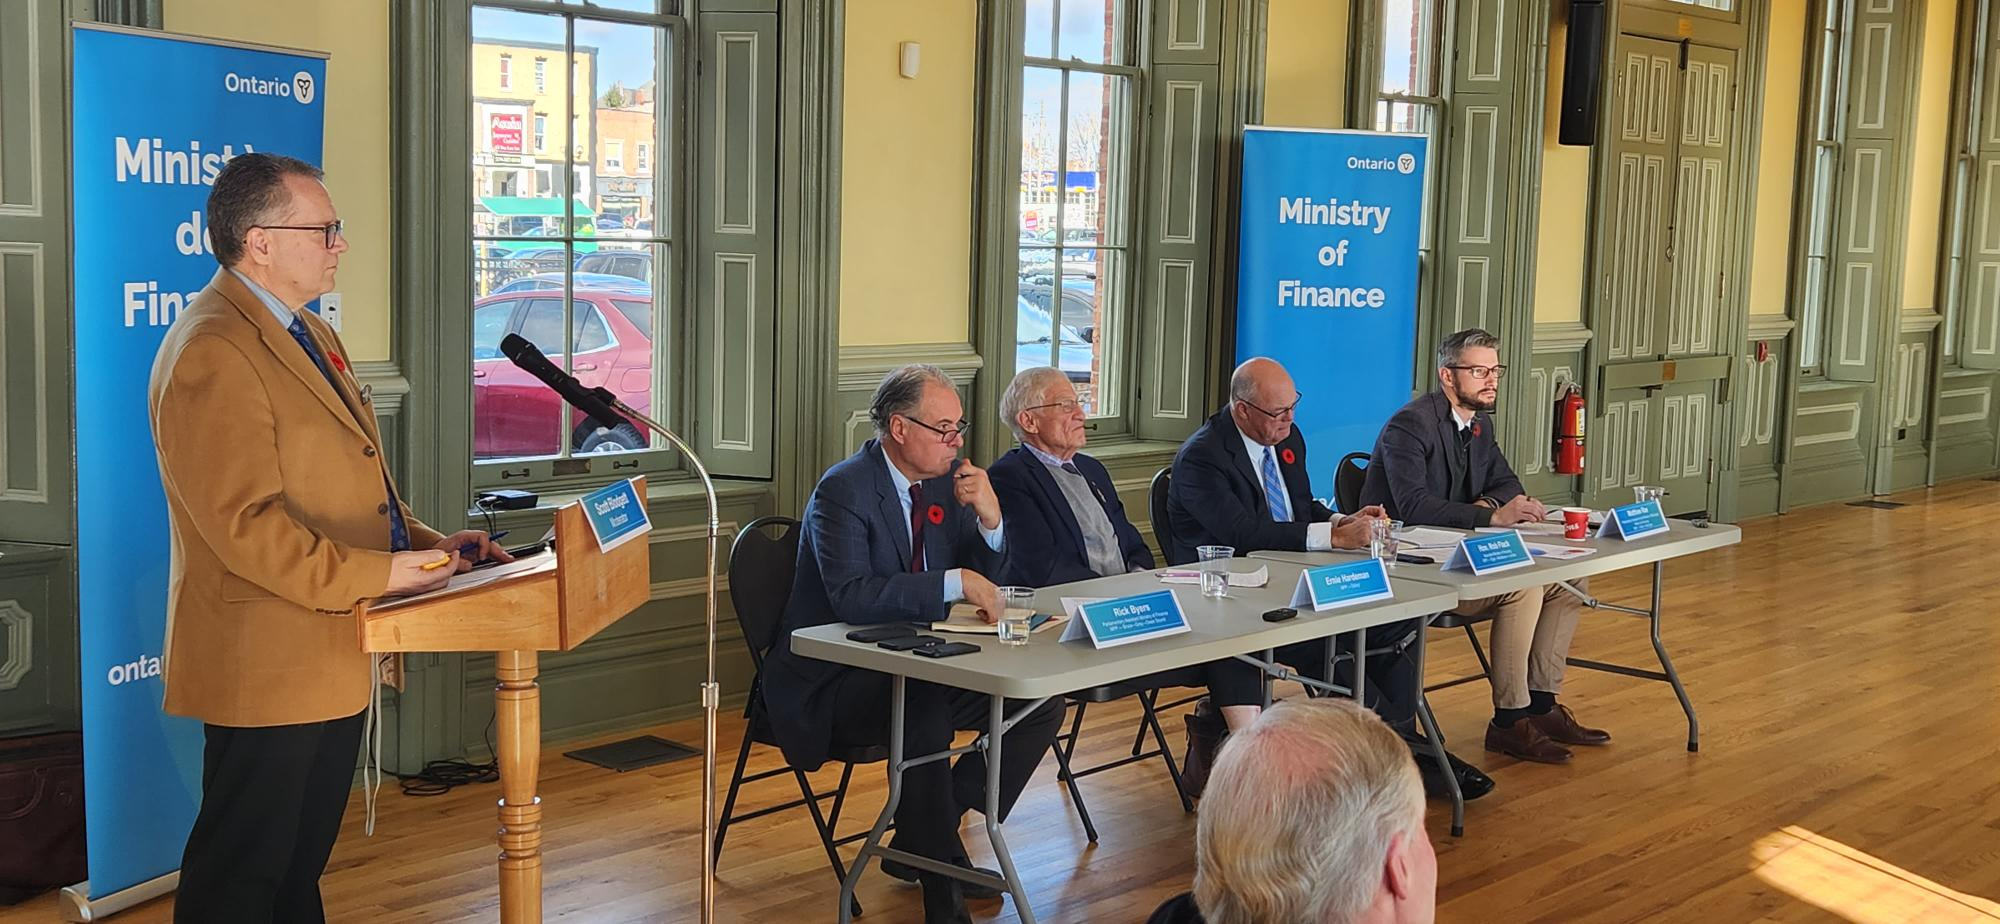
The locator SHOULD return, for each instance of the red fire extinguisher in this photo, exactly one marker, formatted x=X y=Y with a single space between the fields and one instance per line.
x=1569 y=431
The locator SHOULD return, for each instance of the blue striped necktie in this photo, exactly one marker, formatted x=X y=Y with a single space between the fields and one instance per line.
x=399 y=531
x=1274 y=488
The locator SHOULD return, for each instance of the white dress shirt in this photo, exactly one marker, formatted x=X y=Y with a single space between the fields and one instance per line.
x=954 y=583
x=1319 y=536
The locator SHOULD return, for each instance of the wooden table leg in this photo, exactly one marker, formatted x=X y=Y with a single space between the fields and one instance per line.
x=517 y=704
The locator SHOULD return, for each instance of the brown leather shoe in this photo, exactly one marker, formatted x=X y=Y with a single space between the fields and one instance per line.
x=1525 y=741
x=1560 y=725
x=1205 y=733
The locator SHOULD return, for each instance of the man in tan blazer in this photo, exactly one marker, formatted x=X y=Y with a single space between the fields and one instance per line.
x=283 y=516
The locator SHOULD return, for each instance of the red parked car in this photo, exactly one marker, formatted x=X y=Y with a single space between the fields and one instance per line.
x=513 y=414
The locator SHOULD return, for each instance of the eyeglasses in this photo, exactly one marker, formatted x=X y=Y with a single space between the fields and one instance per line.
x=1284 y=413
x=1482 y=372
x=330 y=229
x=947 y=432
x=1067 y=405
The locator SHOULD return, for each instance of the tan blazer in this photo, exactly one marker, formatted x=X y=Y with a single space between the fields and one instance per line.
x=279 y=515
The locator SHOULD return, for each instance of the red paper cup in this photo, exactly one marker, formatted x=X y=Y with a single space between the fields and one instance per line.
x=1576 y=522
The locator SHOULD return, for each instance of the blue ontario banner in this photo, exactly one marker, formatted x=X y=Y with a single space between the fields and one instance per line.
x=1331 y=224
x=154 y=117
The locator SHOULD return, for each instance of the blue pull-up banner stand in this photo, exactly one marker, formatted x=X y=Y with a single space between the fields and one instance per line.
x=1327 y=277
x=154 y=118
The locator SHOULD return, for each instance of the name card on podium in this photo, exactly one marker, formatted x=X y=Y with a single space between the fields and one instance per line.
x=1333 y=586
x=1634 y=521
x=617 y=514
x=1488 y=553
x=1124 y=620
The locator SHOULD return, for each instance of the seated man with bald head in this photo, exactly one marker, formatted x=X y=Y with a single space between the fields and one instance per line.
x=1065 y=523
x=1241 y=481
x=1314 y=816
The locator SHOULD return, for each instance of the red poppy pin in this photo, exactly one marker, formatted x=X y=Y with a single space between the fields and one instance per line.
x=1288 y=456
x=1475 y=428
x=935 y=515
x=338 y=363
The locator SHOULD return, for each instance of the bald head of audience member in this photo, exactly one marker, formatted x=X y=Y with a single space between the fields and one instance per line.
x=1261 y=400
x=1315 y=815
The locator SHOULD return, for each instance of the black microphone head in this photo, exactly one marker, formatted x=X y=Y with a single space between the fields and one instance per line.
x=513 y=345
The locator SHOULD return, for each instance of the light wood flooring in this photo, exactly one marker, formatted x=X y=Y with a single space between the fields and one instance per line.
x=1845 y=662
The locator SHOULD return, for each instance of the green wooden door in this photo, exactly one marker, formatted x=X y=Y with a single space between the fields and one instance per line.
x=1667 y=232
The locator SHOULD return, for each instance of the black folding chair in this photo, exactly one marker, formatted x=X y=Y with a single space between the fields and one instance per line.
x=1348 y=475
x=760 y=581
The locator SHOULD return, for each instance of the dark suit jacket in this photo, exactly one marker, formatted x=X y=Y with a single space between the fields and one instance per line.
x=1216 y=496
x=854 y=567
x=1416 y=462
x=1044 y=540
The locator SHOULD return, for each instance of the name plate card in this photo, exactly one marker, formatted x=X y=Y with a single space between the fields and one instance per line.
x=1489 y=553
x=1124 y=620
x=617 y=514
x=1634 y=521
x=1333 y=586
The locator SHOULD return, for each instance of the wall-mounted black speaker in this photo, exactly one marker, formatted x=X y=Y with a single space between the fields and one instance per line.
x=1583 y=73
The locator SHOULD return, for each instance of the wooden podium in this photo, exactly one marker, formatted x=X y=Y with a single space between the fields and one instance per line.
x=517 y=617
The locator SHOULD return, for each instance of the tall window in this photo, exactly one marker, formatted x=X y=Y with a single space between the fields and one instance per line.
x=506 y=72
x=1409 y=94
x=1078 y=122
x=1829 y=127
x=602 y=308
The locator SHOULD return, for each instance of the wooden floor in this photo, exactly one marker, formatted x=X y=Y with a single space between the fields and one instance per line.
x=1845 y=662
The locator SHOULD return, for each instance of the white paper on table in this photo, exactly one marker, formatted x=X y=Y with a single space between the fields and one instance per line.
x=1257 y=578
x=527 y=564
x=1559 y=552
x=1424 y=537
x=1543 y=528
x=1073 y=627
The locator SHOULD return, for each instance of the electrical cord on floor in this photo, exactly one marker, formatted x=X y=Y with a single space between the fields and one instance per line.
x=442 y=776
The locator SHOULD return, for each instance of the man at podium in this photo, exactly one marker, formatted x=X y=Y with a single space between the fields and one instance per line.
x=897 y=533
x=283 y=516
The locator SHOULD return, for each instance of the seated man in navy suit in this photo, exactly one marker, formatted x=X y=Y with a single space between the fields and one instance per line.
x=897 y=532
x=1240 y=481
x=1438 y=464
x=1065 y=523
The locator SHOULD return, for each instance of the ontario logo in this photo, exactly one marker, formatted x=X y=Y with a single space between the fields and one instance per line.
x=140 y=669
x=301 y=87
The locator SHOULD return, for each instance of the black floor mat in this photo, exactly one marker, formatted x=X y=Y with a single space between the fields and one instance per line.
x=633 y=753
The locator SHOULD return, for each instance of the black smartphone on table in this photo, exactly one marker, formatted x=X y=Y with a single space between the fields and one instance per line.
x=880 y=633
x=947 y=649
x=909 y=642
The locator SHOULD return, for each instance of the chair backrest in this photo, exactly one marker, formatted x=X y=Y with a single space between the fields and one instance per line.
x=1163 y=529
x=760 y=579
x=1348 y=475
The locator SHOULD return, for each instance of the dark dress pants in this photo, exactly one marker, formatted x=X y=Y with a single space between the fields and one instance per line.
x=271 y=803
x=936 y=796
x=1392 y=681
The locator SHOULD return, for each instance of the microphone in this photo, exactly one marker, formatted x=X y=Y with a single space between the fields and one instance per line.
x=596 y=402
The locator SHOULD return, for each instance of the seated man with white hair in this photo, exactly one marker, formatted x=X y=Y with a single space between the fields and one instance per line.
x=1065 y=523
x=1314 y=815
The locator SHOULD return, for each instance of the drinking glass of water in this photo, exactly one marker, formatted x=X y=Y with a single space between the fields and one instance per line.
x=1382 y=542
x=1646 y=492
x=1215 y=569
x=1019 y=613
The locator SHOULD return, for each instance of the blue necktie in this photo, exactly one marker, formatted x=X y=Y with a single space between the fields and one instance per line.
x=399 y=531
x=1274 y=488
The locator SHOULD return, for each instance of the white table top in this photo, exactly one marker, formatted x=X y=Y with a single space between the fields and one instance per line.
x=1048 y=667
x=1681 y=538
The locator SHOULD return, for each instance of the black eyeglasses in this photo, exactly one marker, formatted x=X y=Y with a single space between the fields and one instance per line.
x=330 y=229
x=1068 y=405
x=1482 y=372
x=1288 y=411
x=945 y=433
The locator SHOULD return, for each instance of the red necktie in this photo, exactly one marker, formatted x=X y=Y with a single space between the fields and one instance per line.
x=916 y=527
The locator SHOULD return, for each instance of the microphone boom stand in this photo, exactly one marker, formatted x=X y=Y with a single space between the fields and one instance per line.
x=711 y=693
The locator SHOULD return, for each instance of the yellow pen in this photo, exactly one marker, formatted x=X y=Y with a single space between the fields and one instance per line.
x=433 y=566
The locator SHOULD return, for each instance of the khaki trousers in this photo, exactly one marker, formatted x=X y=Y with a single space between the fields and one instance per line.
x=1529 y=642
